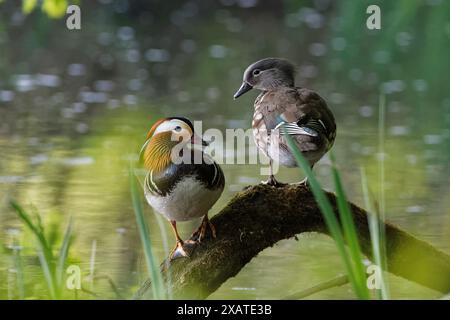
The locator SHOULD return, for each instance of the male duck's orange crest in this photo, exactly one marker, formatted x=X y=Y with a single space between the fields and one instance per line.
x=153 y=128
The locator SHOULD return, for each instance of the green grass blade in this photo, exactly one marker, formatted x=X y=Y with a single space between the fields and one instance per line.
x=35 y=229
x=374 y=229
x=20 y=273
x=164 y=236
x=44 y=251
x=350 y=233
x=48 y=274
x=63 y=254
x=152 y=266
x=381 y=170
x=328 y=213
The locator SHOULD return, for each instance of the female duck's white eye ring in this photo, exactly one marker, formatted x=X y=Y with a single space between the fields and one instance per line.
x=256 y=72
x=177 y=128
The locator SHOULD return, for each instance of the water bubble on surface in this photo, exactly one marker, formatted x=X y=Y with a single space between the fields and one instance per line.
x=38 y=159
x=234 y=187
x=134 y=84
x=113 y=104
x=93 y=97
x=130 y=99
x=432 y=139
x=403 y=39
x=317 y=49
x=415 y=209
x=248 y=180
x=382 y=57
x=157 y=55
x=104 y=85
x=76 y=70
x=188 y=46
x=33 y=141
x=308 y=71
x=10 y=179
x=339 y=44
x=67 y=113
x=393 y=86
x=234 y=25
x=121 y=231
x=247 y=3
x=48 y=80
x=105 y=38
x=17 y=18
x=420 y=85
x=292 y=20
x=125 y=33
x=367 y=150
x=183 y=96
x=81 y=127
x=411 y=158
x=121 y=6
x=399 y=131
x=6 y=95
x=78 y=161
x=337 y=98
x=381 y=156
x=366 y=111
x=311 y=17
x=133 y=55
x=355 y=74
x=11 y=231
x=24 y=82
x=236 y=123
x=79 y=107
x=217 y=51
x=213 y=93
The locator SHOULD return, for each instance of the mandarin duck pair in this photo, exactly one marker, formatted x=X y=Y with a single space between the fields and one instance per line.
x=183 y=191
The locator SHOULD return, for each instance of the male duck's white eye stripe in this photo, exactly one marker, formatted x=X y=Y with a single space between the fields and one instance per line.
x=170 y=125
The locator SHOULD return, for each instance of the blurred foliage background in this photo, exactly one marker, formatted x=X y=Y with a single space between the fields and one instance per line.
x=75 y=106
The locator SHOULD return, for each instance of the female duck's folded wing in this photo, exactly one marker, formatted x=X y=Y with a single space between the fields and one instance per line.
x=292 y=128
x=306 y=109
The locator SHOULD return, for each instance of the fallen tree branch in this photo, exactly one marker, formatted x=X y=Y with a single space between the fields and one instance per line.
x=260 y=216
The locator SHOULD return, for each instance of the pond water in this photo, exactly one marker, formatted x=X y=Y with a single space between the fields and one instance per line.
x=75 y=107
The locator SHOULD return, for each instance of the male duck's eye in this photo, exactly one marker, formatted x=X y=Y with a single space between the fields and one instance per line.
x=256 y=72
x=177 y=128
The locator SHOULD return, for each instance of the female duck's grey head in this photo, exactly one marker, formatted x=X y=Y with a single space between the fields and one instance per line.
x=267 y=74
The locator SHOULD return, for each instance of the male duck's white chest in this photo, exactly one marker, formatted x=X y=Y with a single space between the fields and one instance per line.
x=188 y=200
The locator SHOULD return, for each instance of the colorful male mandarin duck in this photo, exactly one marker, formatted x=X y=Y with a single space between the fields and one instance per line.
x=180 y=190
x=282 y=108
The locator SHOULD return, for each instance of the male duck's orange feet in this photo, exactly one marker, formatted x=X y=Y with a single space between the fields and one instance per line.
x=273 y=182
x=182 y=249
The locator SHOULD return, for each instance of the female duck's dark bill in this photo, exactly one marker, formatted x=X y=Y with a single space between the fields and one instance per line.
x=243 y=89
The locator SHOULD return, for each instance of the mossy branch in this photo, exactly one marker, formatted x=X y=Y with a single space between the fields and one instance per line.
x=260 y=216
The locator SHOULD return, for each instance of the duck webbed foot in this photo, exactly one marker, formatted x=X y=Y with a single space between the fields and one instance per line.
x=200 y=233
x=182 y=249
x=273 y=182
x=303 y=183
